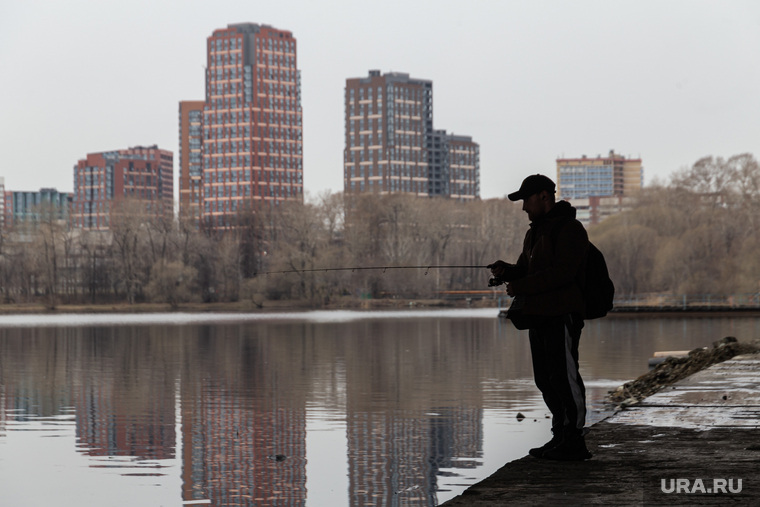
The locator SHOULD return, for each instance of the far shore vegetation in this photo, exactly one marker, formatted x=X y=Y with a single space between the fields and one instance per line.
x=698 y=233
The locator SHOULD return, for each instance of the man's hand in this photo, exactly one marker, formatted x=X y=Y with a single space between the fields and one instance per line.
x=498 y=268
x=502 y=272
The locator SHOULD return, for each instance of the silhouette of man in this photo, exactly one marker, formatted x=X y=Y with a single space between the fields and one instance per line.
x=545 y=281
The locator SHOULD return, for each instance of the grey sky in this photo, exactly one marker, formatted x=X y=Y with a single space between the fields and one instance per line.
x=667 y=80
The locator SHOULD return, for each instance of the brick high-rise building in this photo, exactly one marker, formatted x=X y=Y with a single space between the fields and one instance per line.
x=2 y=203
x=389 y=119
x=143 y=174
x=252 y=142
x=190 y=158
x=463 y=168
x=391 y=146
x=599 y=186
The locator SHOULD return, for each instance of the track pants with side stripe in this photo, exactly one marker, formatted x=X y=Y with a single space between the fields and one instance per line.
x=554 y=349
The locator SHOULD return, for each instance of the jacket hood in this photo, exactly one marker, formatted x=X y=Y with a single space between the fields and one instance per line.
x=562 y=209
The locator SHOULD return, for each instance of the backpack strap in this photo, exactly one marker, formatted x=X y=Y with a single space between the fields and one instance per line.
x=554 y=234
x=556 y=229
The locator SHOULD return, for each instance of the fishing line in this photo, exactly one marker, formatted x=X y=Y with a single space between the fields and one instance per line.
x=369 y=268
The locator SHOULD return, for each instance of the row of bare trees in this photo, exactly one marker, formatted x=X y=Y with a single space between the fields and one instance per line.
x=696 y=234
x=380 y=232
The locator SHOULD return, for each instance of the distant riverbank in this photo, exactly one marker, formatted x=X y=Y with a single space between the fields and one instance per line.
x=350 y=303
x=245 y=306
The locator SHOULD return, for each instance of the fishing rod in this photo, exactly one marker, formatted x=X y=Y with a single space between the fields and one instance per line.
x=368 y=268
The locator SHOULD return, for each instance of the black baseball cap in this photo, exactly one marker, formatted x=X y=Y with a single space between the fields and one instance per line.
x=533 y=184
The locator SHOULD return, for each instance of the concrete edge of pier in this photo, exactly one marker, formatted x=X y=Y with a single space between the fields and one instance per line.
x=695 y=442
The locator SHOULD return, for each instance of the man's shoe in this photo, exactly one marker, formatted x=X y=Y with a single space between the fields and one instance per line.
x=569 y=450
x=538 y=452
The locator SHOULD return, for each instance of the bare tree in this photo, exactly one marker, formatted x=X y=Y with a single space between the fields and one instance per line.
x=96 y=264
x=628 y=249
x=172 y=282
x=127 y=227
x=695 y=234
x=302 y=243
x=744 y=171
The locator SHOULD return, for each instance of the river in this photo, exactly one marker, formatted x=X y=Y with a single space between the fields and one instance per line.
x=316 y=408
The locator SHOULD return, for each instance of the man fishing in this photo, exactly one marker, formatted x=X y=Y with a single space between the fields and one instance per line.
x=545 y=281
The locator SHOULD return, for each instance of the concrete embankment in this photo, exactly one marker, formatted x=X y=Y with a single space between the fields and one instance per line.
x=695 y=442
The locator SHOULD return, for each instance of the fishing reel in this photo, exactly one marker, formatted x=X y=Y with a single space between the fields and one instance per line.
x=496 y=281
x=506 y=272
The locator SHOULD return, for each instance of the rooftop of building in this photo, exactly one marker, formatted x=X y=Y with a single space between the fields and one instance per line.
x=248 y=27
x=610 y=156
x=399 y=77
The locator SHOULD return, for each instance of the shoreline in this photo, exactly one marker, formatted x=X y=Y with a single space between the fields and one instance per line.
x=276 y=306
x=233 y=307
x=702 y=429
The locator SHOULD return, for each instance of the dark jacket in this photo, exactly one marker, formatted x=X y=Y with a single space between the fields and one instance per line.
x=548 y=273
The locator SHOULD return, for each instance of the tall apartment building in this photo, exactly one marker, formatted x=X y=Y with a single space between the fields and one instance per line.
x=598 y=187
x=391 y=146
x=389 y=119
x=139 y=173
x=32 y=207
x=463 y=167
x=2 y=203
x=252 y=133
x=190 y=158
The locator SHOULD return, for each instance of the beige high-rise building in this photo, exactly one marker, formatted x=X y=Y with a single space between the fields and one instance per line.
x=599 y=187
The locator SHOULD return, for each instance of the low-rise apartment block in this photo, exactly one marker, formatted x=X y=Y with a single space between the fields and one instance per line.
x=140 y=174
x=599 y=187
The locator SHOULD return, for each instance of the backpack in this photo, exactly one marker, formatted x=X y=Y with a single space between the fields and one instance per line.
x=598 y=291
x=597 y=288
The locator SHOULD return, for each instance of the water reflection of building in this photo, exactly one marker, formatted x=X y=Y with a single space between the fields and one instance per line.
x=121 y=409
x=456 y=437
x=124 y=403
x=401 y=433
x=2 y=410
x=114 y=421
x=238 y=455
x=243 y=392
x=243 y=437
x=32 y=376
x=394 y=459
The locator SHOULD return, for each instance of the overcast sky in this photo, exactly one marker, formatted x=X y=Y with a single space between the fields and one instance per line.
x=669 y=81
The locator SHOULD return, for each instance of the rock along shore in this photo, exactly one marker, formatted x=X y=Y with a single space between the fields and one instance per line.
x=692 y=442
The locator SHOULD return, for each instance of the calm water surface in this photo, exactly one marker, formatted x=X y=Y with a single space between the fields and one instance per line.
x=318 y=409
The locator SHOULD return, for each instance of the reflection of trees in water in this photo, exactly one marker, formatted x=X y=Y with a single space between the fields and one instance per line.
x=410 y=390
x=115 y=378
x=412 y=393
